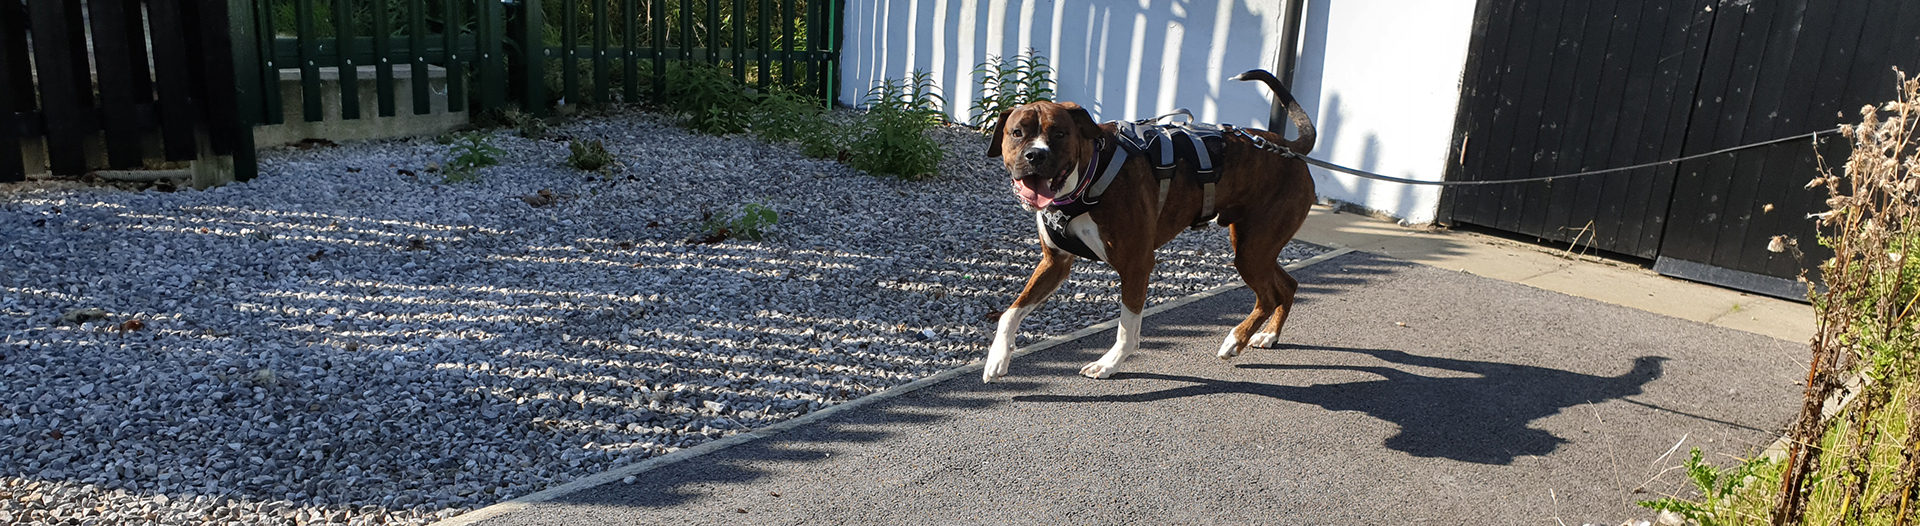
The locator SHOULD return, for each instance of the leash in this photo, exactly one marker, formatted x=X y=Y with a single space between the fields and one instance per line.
x=1282 y=150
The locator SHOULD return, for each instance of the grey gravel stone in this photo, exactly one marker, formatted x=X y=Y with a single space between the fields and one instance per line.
x=350 y=338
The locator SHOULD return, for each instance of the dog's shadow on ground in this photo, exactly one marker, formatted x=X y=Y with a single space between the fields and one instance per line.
x=1480 y=413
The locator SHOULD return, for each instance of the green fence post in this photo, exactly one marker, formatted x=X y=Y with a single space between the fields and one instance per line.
x=453 y=57
x=739 y=53
x=382 y=57
x=529 y=33
x=309 y=52
x=491 y=68
x=494 y=70
x=786 y=61
x=270 y=105
x=713 y=32
x=343 y=63
x=659 y=31
x=569 y=45
x=417 y=47
x=764 y=47
x=630 y=22
x=600 y=74
x=832 y=62
x=816 y=62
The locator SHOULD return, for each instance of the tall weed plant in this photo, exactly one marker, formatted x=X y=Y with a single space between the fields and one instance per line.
x=1008 y=83
x=708 y=99
x=892 y=137
x=1836 y=468
x=1859 y=465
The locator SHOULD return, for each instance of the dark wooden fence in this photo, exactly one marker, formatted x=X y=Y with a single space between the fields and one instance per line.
x=93 y=98
x=216 y=64
x=535 y=54
x=1557 y=87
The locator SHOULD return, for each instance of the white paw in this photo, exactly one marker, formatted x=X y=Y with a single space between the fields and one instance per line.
x=1230 y=348
x=994 y=369
x=1263 y=340
x=1098 y=370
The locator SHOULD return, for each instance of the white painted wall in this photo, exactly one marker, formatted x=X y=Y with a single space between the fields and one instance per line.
x=1380 y=77
x=1126 y=59
x=1382 y=80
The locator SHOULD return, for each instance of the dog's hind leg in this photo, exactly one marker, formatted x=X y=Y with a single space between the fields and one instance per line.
x=1259 y=273
x=1055 y=265
x=1134 y=275
x=1284 y=289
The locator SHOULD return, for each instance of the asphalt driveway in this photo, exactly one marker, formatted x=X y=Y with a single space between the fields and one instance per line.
x=1404 y=394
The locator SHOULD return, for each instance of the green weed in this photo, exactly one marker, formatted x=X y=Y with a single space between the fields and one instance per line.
x=1719 y=491
x=471 y=153
x=892 y=137
x=750 y=224
x=710 y=100
x=588 y=156
x=1005 y=84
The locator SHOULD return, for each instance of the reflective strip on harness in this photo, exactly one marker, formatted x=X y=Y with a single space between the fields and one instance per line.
x=1200 y=153
x=1107 y=177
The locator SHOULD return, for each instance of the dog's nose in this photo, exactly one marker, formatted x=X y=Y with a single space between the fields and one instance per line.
x=1036 y=155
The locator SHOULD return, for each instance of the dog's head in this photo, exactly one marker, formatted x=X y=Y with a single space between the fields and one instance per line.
x=1046 y=146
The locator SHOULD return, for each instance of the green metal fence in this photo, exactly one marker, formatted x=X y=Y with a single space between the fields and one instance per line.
x=535 y=54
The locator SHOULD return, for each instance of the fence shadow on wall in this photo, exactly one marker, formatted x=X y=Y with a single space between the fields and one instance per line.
x=1119 y=59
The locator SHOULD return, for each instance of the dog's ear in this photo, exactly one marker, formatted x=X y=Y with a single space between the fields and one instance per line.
x=1082 y=121
x=999 y=128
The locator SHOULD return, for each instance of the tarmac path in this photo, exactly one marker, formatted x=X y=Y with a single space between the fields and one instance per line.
x=1401 y=394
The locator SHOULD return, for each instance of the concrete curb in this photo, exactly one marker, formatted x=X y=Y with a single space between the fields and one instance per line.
x=676 y=457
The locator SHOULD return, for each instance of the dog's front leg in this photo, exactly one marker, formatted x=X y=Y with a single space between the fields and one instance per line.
x=1134 y=273
x=1055 y=264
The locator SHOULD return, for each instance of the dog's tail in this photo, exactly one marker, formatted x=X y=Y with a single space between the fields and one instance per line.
x=1301 y=122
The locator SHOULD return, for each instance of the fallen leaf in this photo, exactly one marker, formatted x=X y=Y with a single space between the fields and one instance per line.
x=132 y=325
x=311 y=143
x=542 y=198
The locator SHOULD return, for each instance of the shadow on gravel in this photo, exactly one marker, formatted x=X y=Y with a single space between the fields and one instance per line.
x=1482 y=417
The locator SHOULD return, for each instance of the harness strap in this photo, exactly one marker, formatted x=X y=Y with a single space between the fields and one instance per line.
x=1164 y=184
x=1106 y=178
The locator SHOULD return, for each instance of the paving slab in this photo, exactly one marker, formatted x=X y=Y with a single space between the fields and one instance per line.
x=1402 y=394
x=1577 y=273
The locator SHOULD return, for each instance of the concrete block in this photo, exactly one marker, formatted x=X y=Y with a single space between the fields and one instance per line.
x=370 y=125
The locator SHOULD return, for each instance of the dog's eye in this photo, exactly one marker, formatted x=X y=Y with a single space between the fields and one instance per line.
x=1059 y=135
x=1015 y=132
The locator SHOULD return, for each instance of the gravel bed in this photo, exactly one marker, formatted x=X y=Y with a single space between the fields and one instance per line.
x=349 y=338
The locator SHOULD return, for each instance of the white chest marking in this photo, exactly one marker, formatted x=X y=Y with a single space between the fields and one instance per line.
x=1082 y=227
x=1089 y=233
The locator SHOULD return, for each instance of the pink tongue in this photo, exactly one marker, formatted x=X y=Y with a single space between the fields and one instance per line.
x=1034 y=191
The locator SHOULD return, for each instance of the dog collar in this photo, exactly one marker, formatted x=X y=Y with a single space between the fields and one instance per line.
x=1100 y=171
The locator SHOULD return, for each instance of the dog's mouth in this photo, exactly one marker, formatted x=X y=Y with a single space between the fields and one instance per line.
x=1038 y=191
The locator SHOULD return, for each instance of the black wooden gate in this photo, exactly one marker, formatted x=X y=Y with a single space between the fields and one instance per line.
x=109 y=74
x=1556 y=87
